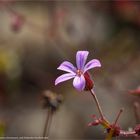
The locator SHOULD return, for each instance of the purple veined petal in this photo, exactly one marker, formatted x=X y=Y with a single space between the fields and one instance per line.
x=81 y=58
x=79 y=82
x=67 y=66
x=64 y=77
x=92 y=64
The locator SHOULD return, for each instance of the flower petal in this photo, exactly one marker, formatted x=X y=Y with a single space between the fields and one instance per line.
x=81 y=58
x=64 y=77
x=79 y=82
x=67 y=66
x=92 y=64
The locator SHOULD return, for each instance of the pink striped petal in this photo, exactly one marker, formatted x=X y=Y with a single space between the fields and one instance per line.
x=79 y=82
x=81 y=58
x=92 y=64
x=67 y=66
x=64 y=77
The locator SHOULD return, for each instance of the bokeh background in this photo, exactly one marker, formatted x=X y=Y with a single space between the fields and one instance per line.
x=36 y=36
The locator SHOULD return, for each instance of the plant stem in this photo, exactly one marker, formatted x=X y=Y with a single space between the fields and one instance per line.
x=136 y=108
x=97 y=104
x=110 y=134
x=127 y=133
x=117 y=118
x=47 y=123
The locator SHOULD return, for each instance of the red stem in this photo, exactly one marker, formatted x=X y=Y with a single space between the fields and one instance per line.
x=118 y=116
x=97 y=103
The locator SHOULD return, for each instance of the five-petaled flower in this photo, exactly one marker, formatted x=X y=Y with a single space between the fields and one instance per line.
x=78 y=73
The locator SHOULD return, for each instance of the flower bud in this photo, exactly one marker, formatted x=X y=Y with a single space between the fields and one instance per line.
x=89 y=83
x=95 y=123
x=137 y=129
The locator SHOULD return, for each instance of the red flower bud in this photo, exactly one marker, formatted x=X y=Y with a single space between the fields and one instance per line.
x=137 y=129
x=96 y=122
x=89 y=82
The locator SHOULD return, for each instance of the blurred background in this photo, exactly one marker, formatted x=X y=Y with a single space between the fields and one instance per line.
x=36 y=36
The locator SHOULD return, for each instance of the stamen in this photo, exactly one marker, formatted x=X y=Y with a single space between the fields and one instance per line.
x=79 y=72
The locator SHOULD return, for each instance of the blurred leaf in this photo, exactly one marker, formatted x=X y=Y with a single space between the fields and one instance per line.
x=2 y=129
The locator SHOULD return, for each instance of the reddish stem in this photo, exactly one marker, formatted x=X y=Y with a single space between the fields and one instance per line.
x=97 y=104
x=136 y=112
x=118 y=116
x=127 y=133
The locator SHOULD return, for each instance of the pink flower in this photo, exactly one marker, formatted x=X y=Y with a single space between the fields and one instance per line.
x=79 y=72
x=17 y=22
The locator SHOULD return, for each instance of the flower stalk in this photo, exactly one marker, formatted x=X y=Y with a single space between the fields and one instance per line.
x=51 y=102
x=97 y=104
x=118 y=116
x=128 y=133
x=136 y=112
x=114 y=130
x=47 y=123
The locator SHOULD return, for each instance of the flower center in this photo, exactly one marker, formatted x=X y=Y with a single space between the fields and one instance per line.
x=79 y=72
